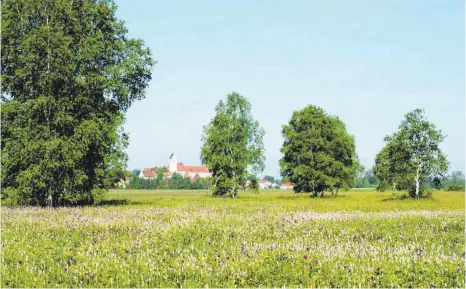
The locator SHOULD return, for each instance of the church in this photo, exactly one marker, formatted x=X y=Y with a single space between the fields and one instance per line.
x=186 y=171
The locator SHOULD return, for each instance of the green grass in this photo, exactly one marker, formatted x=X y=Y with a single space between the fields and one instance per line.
x=270 y=239
x=367 y=201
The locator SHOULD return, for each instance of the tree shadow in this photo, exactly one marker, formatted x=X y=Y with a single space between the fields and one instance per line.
x=299 y=195
x=293 y=197
x=396 y=198
x=118 y=202
x=328 y=196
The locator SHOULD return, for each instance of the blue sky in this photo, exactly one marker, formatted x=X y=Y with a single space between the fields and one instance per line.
x=368 y=62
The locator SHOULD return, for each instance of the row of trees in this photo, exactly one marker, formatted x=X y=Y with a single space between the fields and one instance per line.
x=319 y=154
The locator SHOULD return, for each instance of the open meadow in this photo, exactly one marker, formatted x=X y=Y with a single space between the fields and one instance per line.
x=271 y=239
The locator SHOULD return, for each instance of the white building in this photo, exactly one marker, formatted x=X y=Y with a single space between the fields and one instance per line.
x=263 y=184
x=186 y=171
x=147 y=174
x=286 y=186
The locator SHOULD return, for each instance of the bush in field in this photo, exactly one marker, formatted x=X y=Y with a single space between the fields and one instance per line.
x=232 y=143
x=69 y=72
x=319 y=154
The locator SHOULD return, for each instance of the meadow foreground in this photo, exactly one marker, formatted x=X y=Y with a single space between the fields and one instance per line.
x=273 y=239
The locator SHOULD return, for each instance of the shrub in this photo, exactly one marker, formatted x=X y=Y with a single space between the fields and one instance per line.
x=254 y=185
x=455 y=187
x=98 y=195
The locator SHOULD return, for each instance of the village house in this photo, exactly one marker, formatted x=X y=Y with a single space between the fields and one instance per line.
x=147 y=174
x=186 y=171
x=287 y=186
x=263 y=184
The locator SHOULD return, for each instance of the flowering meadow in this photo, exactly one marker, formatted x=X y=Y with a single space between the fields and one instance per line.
x=270 y=239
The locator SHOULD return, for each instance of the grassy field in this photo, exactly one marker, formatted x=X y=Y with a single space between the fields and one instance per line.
x=270 y=239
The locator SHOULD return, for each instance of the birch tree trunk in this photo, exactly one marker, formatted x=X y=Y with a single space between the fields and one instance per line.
x=416 y=179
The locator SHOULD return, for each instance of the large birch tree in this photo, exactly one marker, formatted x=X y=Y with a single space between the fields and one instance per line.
x=413 y=153
x=69 y=73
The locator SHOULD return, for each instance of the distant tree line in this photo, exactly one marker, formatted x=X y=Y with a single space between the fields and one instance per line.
x=175 y=182
x=366 y=179
x=453 y=182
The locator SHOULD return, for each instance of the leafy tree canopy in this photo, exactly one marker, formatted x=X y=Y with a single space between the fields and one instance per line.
x=232 y=144
x=318 y=153
x=69 y=73
x=412 y=154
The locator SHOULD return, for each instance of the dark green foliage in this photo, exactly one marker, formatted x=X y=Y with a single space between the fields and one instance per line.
x=437 y=183
x=69 y=73
x=254 y=185
x=232 y=144
x=423 y=191
x=389 y=172
x=319 y=155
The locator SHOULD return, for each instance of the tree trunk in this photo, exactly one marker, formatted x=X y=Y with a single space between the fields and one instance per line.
x=416 y=179
x=49 y=201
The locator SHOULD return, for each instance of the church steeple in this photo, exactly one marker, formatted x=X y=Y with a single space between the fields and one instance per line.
x=172 y=163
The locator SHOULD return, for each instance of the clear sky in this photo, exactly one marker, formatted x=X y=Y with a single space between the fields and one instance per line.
x=368 y=62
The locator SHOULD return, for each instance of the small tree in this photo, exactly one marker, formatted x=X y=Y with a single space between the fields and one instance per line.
x=232 y=143
x=254 y=186
x=412 y=154
x=318 y=153
x=253 y=183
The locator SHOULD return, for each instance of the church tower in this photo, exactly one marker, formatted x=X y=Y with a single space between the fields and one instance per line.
x=172 y=163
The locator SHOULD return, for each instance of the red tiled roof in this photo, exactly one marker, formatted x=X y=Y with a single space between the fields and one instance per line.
x=148 y=173
x=195 y=169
